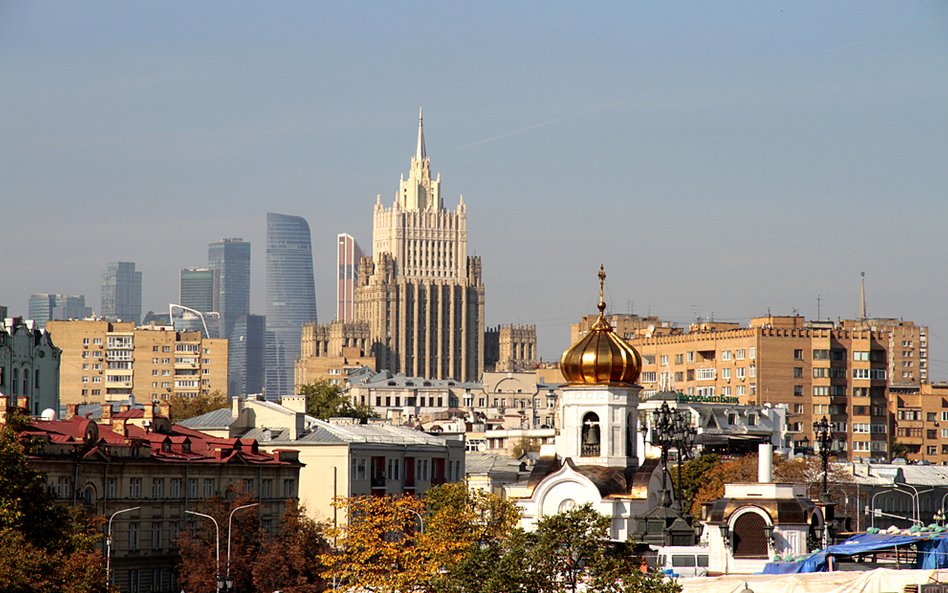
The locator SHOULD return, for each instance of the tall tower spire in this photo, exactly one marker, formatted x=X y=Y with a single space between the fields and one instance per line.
x=862 y=295
x=420 y=153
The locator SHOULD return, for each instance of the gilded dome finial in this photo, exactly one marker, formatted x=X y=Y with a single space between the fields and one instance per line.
x=602 y=285
x=601 y=357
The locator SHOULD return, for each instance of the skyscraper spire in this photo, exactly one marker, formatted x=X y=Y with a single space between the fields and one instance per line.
x=420 y=153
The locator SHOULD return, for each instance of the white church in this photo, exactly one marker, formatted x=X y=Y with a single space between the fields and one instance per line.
x=595 y=457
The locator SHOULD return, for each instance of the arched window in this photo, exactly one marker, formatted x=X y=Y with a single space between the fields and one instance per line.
x=16 y=381
x=750 y=539
x=590 y=437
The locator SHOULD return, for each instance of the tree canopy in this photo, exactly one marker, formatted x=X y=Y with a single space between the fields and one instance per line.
x=184 y=407
x=325 y=400
x=458 y=541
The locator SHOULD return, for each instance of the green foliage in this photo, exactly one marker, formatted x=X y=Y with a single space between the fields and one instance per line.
x=525 y=445
x=325 y=400
x=44 y=547
x=184 y=407
x=693 y=474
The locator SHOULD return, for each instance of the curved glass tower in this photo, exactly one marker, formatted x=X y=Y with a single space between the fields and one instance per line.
x=291 y=298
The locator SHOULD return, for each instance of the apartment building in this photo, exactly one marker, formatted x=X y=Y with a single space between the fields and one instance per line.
x=816 y=369
x=105 y=361
x=921 y=423
x=133 y=456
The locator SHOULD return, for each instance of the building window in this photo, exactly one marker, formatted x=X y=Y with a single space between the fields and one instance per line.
x=266 y=488
x=134 y=487
x=111 y=488
x=393 y=468
x=133 y=536
x=798 y=354
x=156 y=535
x=192 y=488
x=175 y=487
x=797 y=372
x=157 y=487
x=726 y=355
x=289 y=488
x=208 y=487
x=739 y=354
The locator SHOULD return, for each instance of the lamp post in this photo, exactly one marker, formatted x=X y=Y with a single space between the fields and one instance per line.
x=108 y=545
x=217 y=527
x=939 y=518
x=823 y=435
x=227 y=581
x=670 y=429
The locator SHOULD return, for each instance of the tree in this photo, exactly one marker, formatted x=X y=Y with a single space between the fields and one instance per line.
x=44 y=547
x=525 y=445
x=197 y=567
x=184 y=407
x=742 y=469
x=325 y=400
x=290 y=560
x=378 y=549
x=693 y=474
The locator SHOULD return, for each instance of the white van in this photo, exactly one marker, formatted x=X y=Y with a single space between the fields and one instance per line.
x=682 y=561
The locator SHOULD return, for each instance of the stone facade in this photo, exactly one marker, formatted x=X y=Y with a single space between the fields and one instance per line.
x=421 y=294
x=510 y=348
x=332 y=351
x=29 y=365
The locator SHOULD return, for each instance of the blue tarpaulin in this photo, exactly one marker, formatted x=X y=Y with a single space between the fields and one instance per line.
x=932 y=552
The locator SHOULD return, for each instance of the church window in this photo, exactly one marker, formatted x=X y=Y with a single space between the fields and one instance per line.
x=590 y=435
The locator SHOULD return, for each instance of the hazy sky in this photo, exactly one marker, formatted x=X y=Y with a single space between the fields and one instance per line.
x=720 y=158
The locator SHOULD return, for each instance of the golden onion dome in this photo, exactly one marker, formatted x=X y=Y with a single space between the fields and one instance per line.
x=601 y=357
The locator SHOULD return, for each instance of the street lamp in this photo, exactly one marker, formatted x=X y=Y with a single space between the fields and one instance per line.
x=671 y=429
x=939 y=517
x=421 y=519
x=823 y=434
x=230 y=520
x=108 y=545
x=217 y=527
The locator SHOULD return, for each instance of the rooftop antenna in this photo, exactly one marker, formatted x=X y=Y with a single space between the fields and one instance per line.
x=818 y=299
x=862 y=295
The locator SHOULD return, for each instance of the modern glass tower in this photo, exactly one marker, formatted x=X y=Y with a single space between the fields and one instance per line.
x=229 y=262
x=246 y=356
x=46 y=306
x=197 y=289
x=348 y=255
x=291 y=298
x=122 y=292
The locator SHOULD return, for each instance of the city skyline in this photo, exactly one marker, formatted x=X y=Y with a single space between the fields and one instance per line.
x=728 y=160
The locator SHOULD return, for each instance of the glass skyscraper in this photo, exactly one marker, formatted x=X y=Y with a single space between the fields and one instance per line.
x=197 y=289
x=246 y=356
x=291 y=298
x=46 y=307
x=122 y=292
x=229 y=263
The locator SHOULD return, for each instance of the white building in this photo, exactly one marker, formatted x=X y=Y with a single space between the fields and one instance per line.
x=595 y=458
x=340 y=457
x=29 y=366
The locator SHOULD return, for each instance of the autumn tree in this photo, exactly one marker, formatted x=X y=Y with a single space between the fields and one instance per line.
x=44 y=547
x=693 y=474
x=289 y=561
x=197 y=568
x=186 y=406
x=378 y=548
x=326 y=400
x=525 y=445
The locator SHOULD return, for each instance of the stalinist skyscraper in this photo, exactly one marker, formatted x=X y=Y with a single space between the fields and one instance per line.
x=420 y=292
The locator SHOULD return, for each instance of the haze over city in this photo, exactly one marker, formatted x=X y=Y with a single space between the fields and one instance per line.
x=720 y=160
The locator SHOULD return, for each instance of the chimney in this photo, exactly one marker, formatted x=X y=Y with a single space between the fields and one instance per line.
x=164 y=409
x=149 y=411
x=106 y=413
x=23 y=402
x=71 y=410
x=125 y=407
x=765 y=463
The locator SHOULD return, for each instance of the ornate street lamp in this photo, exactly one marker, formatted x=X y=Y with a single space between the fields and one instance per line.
x=824 y=436
x=671 y=430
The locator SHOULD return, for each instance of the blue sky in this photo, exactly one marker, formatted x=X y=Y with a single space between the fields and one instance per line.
x=719 y=158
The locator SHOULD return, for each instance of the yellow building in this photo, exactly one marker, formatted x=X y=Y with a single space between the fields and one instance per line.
x=838 y=370
x=106 y=361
